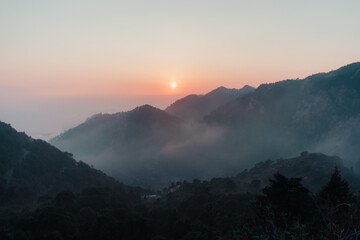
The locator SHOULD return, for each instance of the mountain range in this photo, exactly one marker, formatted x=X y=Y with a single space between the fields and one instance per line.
x=318 y=113
x=224 y=131
x=46 y=194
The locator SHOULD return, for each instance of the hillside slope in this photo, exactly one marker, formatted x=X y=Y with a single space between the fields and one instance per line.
x=32 y=168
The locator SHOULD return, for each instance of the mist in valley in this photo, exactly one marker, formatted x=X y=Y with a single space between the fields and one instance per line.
x=151 y=147
x=197 y=150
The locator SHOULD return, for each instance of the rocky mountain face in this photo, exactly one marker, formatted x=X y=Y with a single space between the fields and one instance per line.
x=195 y=107
x=32 y=168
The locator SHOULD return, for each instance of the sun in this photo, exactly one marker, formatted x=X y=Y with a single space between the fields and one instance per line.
x=173 y=85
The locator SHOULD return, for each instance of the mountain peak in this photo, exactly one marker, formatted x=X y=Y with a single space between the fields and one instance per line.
x=145 y=107
x=247 y=87
x=221 y=88
x=150 y=113
x=195 y=107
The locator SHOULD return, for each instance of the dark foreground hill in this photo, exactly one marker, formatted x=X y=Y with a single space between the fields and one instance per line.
x=314 y=168
x=221 y=208
x=32 y=168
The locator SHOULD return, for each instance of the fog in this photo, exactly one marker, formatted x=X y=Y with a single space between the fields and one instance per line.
x=150 y=147
x=344 y=142
x=154 y=155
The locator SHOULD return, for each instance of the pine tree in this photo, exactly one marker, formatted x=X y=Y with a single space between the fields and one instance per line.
x=289 y=195
x=336 y=191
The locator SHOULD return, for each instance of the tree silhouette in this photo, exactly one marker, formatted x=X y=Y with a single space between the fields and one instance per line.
x=336 y=191
x=288 y=195
x=338 y=213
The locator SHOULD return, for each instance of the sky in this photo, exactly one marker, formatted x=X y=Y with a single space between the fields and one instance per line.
x=62 y=61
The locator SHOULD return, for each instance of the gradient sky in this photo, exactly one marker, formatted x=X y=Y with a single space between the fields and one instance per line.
x=135 y=48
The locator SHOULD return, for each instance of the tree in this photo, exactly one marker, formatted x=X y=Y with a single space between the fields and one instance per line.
x=339 y=216
x=289 y=196
x=336 y=191
x=284 y=211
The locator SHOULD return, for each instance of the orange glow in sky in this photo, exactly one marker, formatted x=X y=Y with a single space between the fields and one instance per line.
x=135 y=47
x=127 y=53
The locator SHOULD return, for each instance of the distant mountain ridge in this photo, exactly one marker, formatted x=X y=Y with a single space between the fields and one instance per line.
x=345 y=78
x=148 y=146
x=319 y=113
x=194 y=107
x=140 y=116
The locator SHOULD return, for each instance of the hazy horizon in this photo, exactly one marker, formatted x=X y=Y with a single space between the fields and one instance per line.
x=45 y=117
x=61 y=62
